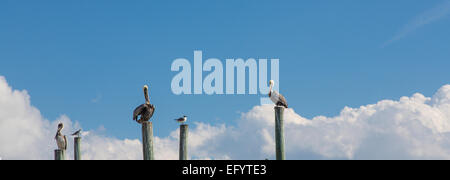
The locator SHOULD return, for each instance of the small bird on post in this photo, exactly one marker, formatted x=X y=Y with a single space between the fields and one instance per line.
x=61 y=140
x=276 y=97
x=77 y=133
x=145 y=111
x=181 y=120
x=77 y=145
x=184 y=130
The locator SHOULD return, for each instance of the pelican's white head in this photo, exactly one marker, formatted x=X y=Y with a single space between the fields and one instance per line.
x=147 y=99
x=271 y=82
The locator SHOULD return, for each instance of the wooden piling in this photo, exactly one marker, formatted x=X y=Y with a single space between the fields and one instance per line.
x=184 y=131
x=77 y=148
x=279 y=133
x=147 y=140
x=60 y=154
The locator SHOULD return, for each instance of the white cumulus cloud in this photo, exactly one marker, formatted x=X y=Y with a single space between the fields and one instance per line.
x=415 y=127
x=26 y=134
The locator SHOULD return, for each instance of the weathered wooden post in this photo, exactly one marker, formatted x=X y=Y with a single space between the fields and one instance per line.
x=147 y=140
x=145 y=112
x=279 y=132
x=60 y=154
x=184 y=131
x=77 y=148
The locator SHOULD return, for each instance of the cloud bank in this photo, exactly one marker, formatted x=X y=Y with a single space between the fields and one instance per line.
x=26 y=134
x=439 y=12
x=415 y=127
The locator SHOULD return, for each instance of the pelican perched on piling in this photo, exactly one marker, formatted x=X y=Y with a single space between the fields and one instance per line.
x=276 y=97
x=61 y=139
x=181 y=120
x=145 y=111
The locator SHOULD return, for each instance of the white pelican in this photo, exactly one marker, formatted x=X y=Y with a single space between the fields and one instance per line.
x=61 y=139
x=145 y=110
x=182 y=119
x=276 y=97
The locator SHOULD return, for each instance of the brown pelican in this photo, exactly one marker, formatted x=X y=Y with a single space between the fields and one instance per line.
x=61 y=139
x=276 y=97
x=182 y=119
x=77 y=133
x=145 y=110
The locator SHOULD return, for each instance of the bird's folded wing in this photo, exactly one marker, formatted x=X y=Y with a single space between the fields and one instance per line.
x=138 y=111
x=283 y=100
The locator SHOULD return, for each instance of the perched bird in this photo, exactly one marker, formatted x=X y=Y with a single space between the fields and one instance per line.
x=145 y=111
x=276 y=97
x=182 y=119
x=77 y=133
x=61 y=139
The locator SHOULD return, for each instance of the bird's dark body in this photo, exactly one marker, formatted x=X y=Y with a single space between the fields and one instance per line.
x=282 y=102
x=145 y=111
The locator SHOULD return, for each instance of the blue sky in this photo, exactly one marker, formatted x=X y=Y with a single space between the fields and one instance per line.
x=89 y=59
